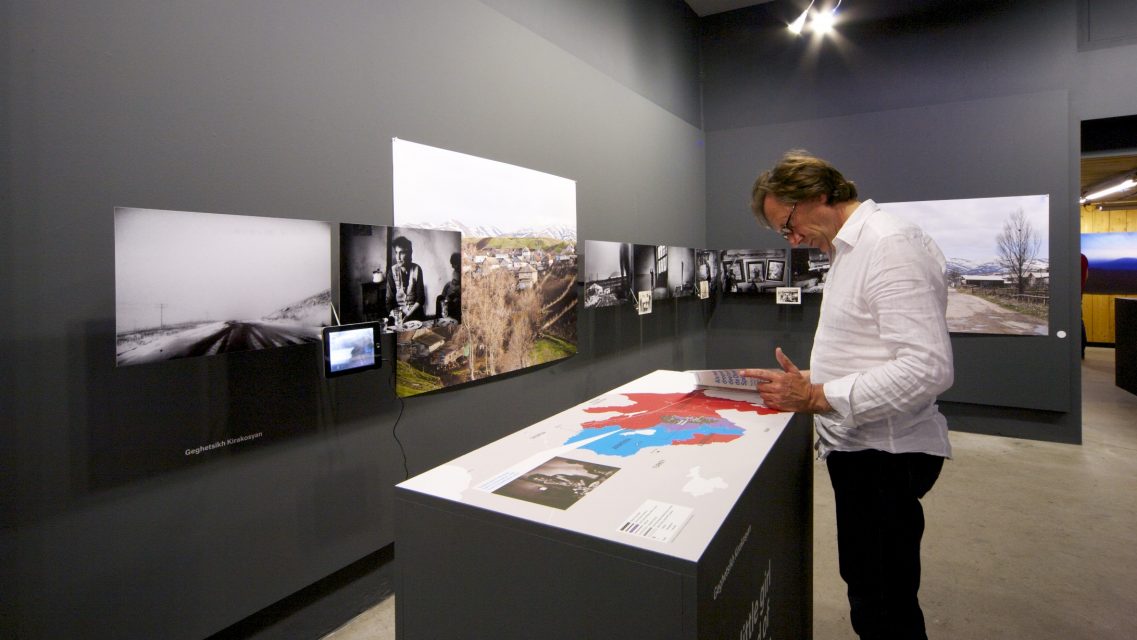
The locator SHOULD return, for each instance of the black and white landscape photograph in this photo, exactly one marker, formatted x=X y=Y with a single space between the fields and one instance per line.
x=607 y=274
x=195 y=284
x=998 y=260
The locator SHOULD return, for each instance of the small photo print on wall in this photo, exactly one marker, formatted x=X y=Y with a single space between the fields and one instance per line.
x=644 y=306
x=788 y=295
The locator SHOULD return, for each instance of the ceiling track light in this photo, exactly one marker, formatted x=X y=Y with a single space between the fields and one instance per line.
x=821 y=24
x=796 y=26
x=1112 y=187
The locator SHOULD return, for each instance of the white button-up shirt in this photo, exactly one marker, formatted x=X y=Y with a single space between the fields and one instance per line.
x=882 y=349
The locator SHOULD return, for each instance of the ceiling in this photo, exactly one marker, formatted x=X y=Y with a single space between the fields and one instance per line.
x=1098 y=169
x=1094 y=169
x=708 y=7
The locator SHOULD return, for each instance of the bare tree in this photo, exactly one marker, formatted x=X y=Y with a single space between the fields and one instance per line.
x=1018 y=246
x=524 y=327
x=486 y=314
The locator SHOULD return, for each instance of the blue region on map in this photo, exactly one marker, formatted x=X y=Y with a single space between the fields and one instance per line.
x=628 y=442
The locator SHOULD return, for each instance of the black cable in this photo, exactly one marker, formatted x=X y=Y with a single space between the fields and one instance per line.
x=395 y=427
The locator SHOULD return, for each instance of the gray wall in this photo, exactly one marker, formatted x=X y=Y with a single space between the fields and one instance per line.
x=921 y=101
x=284 y=109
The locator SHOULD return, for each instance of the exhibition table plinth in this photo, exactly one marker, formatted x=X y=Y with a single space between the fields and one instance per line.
x=657 y=510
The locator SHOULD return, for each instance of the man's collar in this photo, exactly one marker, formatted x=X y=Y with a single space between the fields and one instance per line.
x=850 y=232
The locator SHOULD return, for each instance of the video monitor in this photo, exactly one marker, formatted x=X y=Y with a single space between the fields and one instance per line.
x=350 y=348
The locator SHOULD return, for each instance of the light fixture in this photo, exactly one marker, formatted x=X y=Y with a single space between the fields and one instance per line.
x=821 y=24
x=796 y=26
x=1110 y=188
x=823 y=21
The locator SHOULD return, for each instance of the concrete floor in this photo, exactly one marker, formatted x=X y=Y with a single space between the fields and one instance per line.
x=1024 y=539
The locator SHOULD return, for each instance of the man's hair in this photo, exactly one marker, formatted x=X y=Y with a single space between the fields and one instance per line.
x=403 y=243
x=799 y=176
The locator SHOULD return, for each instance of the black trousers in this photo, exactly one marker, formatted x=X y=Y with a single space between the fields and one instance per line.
x=879 y=526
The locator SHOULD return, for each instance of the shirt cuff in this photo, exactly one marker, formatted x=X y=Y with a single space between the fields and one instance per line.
x=839 y=393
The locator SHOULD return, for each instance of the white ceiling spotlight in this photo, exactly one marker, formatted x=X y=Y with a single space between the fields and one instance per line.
x=821 y=24
x=823 y=21
x=796 y=26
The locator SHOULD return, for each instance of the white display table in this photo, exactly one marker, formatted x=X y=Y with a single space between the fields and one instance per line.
x=657 y=510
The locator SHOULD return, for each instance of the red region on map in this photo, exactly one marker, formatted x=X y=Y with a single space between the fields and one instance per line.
x=650 y=410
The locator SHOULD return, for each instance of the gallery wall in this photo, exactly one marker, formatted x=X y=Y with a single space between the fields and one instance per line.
x=935 y=100
x=286 y=109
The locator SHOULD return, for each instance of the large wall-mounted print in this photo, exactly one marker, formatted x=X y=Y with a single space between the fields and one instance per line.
x=607 y=274
x=195 y=284
x=519 y=266
x=1112 y=261
x=998 y=260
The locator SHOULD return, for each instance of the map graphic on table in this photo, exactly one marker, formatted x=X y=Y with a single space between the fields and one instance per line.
x=656 y=463
x=663 y=419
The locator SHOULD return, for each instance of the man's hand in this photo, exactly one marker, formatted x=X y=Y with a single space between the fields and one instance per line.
x=788 y=389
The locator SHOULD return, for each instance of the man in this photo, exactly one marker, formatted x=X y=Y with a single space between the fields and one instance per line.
x=450 y=302
x=881 y=356
x=404 y=283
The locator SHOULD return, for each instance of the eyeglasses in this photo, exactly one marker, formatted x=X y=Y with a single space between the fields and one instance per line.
x=787 y=230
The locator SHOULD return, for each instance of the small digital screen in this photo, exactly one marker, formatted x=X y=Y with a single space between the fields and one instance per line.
x=351 y=348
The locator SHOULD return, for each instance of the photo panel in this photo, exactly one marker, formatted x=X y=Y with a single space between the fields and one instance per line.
x=363 y=274
x=518 y=254
x=998 y=260
x=424 y=277
x=607 y=274
x=808 y=269
x=681 y=272
x=192 y=284
x=651 y=267
x=747 y=271
x=1112 y=259
x=709 y=269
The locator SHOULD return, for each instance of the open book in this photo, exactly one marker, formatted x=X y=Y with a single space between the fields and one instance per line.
x=723 y=378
